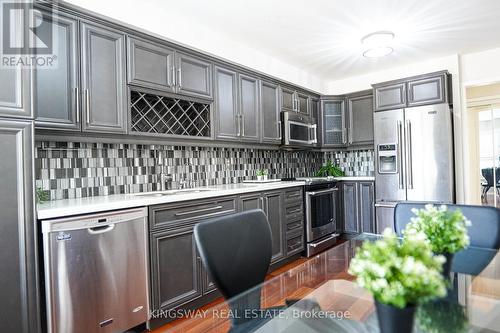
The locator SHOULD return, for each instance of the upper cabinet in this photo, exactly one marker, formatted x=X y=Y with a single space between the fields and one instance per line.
x=360 y=114
x=194 y=76
x=314 y=106
x=56 y=97
x=103 y=79
x=150 y=65
x=420 y=90
x=292 y=100
x=334 y=122
x=236 y=106
x=270 y=112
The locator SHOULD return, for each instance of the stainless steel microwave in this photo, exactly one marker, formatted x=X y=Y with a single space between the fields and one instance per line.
x=298 y=130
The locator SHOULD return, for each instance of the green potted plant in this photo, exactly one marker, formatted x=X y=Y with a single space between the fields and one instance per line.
x=330 y=169
x=261 y=175
x=445 y=229
x=399 y=275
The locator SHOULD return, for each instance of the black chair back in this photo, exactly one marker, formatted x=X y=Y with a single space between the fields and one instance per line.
x=488 y=175
x=484 y=231
x=236 y=251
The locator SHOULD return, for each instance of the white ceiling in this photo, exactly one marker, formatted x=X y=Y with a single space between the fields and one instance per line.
x=323 y=36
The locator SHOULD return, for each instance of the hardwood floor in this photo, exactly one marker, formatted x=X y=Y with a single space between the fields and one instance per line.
x=282 y=288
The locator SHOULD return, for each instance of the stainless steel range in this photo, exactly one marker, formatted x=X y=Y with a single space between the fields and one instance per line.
x=320 y=198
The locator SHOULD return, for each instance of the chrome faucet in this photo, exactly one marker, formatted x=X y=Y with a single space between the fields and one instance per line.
x=165 y=178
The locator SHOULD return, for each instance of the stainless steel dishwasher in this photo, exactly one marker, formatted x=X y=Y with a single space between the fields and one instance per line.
x=96 y=272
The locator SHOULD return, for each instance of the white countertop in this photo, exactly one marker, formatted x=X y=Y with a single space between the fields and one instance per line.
x=68 y=207
x=77 y=206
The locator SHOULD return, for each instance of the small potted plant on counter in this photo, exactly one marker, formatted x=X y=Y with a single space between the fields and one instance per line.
x=445 y=229
x=399 y=275
x=262 y=175
x=330 y=169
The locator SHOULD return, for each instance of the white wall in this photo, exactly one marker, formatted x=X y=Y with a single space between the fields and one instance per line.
x=481 y=67
x=183 y=29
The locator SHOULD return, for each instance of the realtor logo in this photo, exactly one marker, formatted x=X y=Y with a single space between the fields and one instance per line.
x=27 y=36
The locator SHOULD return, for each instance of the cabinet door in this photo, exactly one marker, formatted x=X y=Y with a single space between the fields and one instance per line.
x=248 y=94
x=249 y=202
x=360 y=120
x=302 y=103
x=175 y=268
x=288 y=102
x=334 y=123
x=103 y=79
x=228 y=125
x=430 y=90
x=150 y=65
x=390 y=97
x=367 y=206
x=56 y=96
x=350 y=206
x=20 y=290
x=270 y=112
x=314 y=106
x=194 y=76
x=273 y=207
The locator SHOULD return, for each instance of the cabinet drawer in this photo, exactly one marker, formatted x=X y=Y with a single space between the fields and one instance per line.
x=187 y=212
x=294 y=211
x=295 y=245
x=293 y=196
x=427 y=91
x=294 y=225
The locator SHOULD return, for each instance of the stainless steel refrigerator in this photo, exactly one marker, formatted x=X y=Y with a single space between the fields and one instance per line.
x=414 y=158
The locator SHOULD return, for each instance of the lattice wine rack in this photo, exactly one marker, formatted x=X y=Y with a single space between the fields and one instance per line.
x=166 y=115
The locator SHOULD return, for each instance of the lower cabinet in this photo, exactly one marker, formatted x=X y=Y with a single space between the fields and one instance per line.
x=358 y=206
x=178 y=278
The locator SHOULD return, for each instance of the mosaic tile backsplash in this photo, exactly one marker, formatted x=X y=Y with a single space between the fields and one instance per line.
x=76 y=169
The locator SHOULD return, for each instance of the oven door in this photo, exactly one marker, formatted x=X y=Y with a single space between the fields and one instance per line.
x=320 y=213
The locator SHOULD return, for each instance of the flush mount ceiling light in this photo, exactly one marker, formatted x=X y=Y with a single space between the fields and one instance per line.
x=377 y=44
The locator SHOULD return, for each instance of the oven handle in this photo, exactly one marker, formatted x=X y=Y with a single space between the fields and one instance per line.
x=311 y=194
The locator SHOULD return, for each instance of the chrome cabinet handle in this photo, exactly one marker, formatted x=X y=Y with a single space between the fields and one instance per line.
x=409 y=167
x=242 y=121
x=349 y=133
x=87 y=105
x=311 y=194
x=279 y=129
x=173 y=76
x=100 y=230
x=202 y=210
x=388 y=205
x=179 y=79
x=238 y=125
x=77 y=104
x=400 y=156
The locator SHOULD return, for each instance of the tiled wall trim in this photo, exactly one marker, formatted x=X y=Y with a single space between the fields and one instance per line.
x=354 y=162
x=76 y=169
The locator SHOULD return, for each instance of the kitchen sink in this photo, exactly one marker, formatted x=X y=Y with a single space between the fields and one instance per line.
x=172 y=192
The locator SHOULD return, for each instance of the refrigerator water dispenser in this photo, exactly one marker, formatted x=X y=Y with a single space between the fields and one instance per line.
x=387 y=158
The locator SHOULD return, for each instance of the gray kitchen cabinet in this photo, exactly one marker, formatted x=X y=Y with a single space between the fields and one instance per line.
x=270 y=112
x=314 y=106
x=176 y=273
x=273 y=207
x=367 y=206
x=360 y=115
x=248 y=97
x=292 y=100
x=150 y=65
x=358 y=206
x=302 y=102
x=56 y=95
x=15 y=92
x=194 y=76
x=391 y=96
x=227 y=117
x=20 y=291
x=427 y=90
x=103 y=79
x=350 y=207
x=334 y=122
x=288 y=101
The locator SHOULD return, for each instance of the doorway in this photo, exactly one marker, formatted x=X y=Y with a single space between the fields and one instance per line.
x=483 y=115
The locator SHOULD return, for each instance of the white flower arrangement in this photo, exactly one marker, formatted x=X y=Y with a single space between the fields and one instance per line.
x=399 y=273
x=445 y=230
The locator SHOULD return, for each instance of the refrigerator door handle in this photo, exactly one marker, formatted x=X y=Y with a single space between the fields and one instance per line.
x=400 y=156
x=409 y=166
